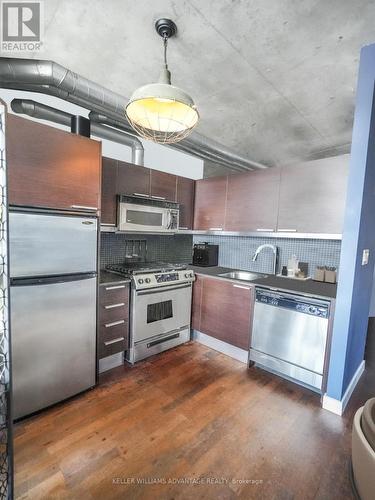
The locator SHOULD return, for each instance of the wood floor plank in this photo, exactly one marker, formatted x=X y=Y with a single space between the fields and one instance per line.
x=188 y=423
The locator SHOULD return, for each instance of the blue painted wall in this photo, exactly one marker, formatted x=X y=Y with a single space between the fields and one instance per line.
x=355 y=283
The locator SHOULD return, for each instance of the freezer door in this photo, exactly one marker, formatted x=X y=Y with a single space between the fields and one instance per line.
x=45 y=244
x=53 y=342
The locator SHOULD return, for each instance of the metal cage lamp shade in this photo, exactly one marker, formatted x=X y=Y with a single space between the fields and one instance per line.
x=160 y=111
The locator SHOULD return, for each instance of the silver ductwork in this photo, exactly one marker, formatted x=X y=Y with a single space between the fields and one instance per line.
x=43 y=112
x=48 y=77
x=182 y=146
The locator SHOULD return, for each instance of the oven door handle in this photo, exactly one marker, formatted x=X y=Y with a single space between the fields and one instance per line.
x=162 y=289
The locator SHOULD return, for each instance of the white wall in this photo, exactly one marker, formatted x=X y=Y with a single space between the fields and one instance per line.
x=158 y=157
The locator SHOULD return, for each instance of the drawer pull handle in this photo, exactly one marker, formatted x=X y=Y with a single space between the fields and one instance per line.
x=83 y=207
x=287 y=230
x=116 y=287
x=142 y=194
x=113 y=306
x=215 y=229
x=183 y=228
x=240 y=286
x=158 y=197
x=115 y=323
x=114 y=341
x=265 y=230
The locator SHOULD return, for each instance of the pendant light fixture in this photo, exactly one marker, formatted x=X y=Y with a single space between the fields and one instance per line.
x=160 y=111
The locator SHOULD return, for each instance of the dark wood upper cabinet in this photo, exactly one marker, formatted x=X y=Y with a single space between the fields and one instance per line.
x=133 y=179
x=51 y=168
x=185 y=197
x=226 y=311
x=210 y=203
x=196 y=303
x=312 y=196
x=109 y=191
x=252 y=201
x=163 y=185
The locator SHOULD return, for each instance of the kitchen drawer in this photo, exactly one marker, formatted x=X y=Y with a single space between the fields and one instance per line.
x=113 y=312
x=109 y=347
x=113 y=294
x=114 y=330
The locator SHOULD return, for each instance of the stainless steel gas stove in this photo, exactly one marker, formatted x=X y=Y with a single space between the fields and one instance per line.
x=160 y=306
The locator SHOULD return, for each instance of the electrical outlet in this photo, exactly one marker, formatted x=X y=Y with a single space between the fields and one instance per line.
x=365 y=257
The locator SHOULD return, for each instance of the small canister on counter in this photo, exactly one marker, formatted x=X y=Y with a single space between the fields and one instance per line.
x=330 y=275
x=319 y=273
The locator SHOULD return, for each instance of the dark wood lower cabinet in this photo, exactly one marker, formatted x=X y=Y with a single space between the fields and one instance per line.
x=225 y=310
x=196 y=303
x=113 y=319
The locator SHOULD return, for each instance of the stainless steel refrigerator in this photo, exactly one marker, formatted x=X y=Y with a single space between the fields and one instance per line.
x=53 y=271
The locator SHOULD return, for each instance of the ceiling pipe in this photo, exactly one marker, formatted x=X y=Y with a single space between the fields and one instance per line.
x=48 y=77
x=44 y=112
x=207 y=155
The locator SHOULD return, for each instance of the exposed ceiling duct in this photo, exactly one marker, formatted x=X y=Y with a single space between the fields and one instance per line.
x=182 y=146
x=48 y=77
x=43 y=112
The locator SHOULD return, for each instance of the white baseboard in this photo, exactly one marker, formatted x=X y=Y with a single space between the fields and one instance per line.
x=110 y=362
x=338 y=406
x=223 y=347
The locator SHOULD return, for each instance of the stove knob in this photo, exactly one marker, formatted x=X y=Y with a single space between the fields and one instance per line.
x=187 y=275
x=148 y=280
x=140 y=281
x=191 y=275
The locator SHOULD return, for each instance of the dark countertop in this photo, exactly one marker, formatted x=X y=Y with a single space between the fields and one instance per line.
x=307 y=287
x=108 y=278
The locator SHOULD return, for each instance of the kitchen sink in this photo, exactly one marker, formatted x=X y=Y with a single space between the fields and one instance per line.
x=242 y=275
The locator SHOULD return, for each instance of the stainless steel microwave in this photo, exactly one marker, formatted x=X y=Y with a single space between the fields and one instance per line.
x=155 y=217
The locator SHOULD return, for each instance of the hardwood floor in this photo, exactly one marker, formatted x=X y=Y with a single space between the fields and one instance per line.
x=187 y=414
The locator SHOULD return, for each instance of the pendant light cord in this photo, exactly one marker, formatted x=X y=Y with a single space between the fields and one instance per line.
x=165 y=38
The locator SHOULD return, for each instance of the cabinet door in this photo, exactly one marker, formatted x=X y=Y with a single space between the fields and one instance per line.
x=210 y=202
x=51 y=168
x=196 y=303
x=312 y=196
x=185 y=197
x=225 y=311
x=133 y=179
x=109 y=201
x=252 y=201
x=163 y=185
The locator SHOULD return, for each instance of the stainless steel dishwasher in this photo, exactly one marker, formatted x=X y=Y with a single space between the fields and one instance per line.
x=289 y=335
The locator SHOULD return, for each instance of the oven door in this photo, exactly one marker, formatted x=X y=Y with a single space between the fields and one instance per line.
x=134 y=217
x=159 y=311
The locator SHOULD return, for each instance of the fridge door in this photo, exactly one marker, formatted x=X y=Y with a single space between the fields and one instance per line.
x=53 y=341
x=46 y=244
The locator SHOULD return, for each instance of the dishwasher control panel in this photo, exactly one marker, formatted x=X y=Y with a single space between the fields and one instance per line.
x=298 y=303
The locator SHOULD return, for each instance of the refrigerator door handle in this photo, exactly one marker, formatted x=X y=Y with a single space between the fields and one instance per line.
x=50 y=280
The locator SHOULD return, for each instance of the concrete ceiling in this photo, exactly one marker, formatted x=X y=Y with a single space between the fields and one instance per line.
x=273 y=79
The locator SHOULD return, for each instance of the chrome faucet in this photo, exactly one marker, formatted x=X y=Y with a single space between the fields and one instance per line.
x=275 y=251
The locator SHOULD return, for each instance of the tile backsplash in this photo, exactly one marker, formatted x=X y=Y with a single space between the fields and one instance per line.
x=234 y=251
x=237 y=251
x=166 y=248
